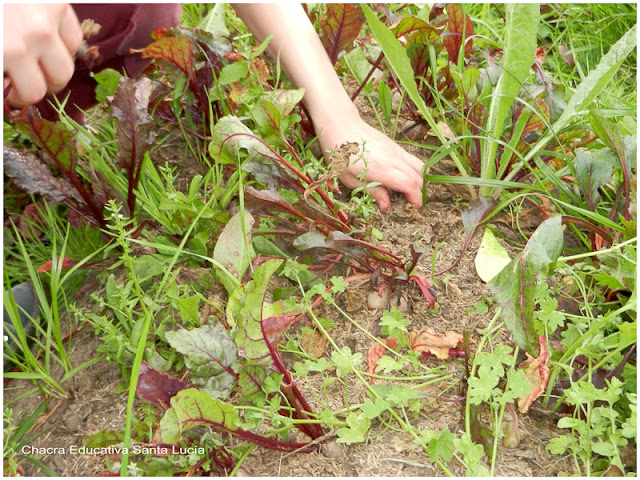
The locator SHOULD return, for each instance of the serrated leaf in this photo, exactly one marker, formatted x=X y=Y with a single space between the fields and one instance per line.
x=491 y=257
x=234 y=249
x=346 y=361
x=209 y=354
x=372 y=410
x=357 y=430
x=441 y=446
x=339 y=28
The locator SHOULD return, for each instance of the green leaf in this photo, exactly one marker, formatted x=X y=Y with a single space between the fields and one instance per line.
x=357 y=430
x=209 y=353
x=234 y=250
x=233 y=72
x=603 y=448
x=230 y=136
x=608 y=132
x=392 y=322
x=441 y=446
x=384 y=99
x=558 y=445
x=592 y=172
x=188 y=308
x=386 y=364
x=107 y=80
x=517 y=386
x=549 y=314
x=519 y=47
x=373 y=410
x=481 y=387
x=494 y=360
x=491 y=258
x=630 y=425
x=346 y=361
x=245 y=308
x=339 y=284
x=515 y=286
x=215 y=22
x=191 y=408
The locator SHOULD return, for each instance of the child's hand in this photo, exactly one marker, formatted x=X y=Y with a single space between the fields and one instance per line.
x=386 y=162
x=40 y=41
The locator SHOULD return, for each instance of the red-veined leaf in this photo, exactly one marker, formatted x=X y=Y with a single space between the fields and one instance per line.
x=176 y=50
x=459 y=25
x=339 y=28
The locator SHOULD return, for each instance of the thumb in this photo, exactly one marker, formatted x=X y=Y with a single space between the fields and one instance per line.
x=381 y=196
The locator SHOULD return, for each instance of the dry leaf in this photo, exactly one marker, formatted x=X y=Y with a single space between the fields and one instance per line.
x=428 y=342
x=536 y=371
x=315 y=344
x=261 y=68
x=236 y=91
x=377 y=350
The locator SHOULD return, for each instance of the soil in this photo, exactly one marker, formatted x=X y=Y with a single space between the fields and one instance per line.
x=94 y=404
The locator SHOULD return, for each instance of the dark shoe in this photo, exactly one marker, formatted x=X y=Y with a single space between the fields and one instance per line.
x=27 y=302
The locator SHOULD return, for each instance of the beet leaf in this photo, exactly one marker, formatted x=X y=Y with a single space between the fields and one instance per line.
x=339 y=28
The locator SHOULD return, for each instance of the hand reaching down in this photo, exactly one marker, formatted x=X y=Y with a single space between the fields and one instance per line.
x=39 y=44
x=385 y=162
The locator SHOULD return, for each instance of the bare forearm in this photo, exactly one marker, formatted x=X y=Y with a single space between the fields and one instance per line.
x=301 y=55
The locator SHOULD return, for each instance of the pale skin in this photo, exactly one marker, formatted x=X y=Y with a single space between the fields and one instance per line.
x=38 y=59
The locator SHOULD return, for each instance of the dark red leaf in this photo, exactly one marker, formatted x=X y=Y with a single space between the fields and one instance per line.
x=135 y=128
x=176 y=50
x=459 y=25
x=340 y=28
x=34 y=177
x=418 y=53
x=436 y=11
x=66 y=263
x=31 y=221
x=157 y=387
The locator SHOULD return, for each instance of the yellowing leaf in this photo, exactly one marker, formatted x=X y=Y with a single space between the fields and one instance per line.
x=491 y=257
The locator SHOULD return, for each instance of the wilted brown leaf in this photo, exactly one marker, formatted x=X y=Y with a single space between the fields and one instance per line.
x=536 y=371
x=428 y=342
